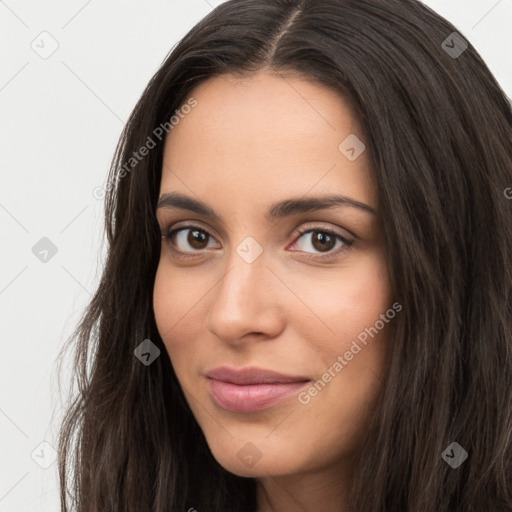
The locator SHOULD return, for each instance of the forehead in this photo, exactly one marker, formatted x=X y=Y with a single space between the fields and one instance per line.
x=275 y=134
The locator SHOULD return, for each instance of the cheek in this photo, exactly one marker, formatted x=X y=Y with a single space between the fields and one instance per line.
x=344 y=390
x=175 y=295
x=174 y=300
x=345 y=301
x=366 y=296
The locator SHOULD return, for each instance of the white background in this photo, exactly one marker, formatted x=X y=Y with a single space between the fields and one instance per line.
x=61 y=118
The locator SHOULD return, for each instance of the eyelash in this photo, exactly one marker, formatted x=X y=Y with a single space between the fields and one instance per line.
x=167 y=235
x=346 y=242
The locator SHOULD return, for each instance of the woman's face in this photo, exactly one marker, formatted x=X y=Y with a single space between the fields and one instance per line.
x=239 y=286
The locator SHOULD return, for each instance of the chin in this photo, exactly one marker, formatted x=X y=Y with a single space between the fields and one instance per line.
x=249 y=461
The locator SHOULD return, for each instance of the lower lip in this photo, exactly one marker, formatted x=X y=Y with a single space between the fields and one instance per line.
x=251 y=398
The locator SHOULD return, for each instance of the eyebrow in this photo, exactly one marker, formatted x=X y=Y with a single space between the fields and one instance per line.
x=288 y=207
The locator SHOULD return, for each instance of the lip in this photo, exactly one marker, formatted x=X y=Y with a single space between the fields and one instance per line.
x=252 y=375
x=251 y=389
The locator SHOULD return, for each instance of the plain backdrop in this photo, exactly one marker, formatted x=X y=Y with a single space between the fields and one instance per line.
x=70 y=73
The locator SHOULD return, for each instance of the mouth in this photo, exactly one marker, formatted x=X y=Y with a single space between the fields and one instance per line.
x=251 y=389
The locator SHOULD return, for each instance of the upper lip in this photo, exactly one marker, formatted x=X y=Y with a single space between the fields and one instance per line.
x=251 y=375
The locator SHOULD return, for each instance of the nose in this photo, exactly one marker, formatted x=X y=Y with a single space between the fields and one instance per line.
x=245 y=303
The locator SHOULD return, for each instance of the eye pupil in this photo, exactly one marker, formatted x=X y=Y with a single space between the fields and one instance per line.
x=196 y=238
x=326 y=242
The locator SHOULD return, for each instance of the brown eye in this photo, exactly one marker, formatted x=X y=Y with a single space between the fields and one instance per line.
x=322 y=241
x=197 y=239
x=188 y=239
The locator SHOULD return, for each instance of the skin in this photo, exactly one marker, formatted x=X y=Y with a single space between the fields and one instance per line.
x=246 y=145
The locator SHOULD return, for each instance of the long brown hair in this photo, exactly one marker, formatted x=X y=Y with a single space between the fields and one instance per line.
x=438 y=131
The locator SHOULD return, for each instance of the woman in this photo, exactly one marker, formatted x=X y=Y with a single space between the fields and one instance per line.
x=307 y=299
